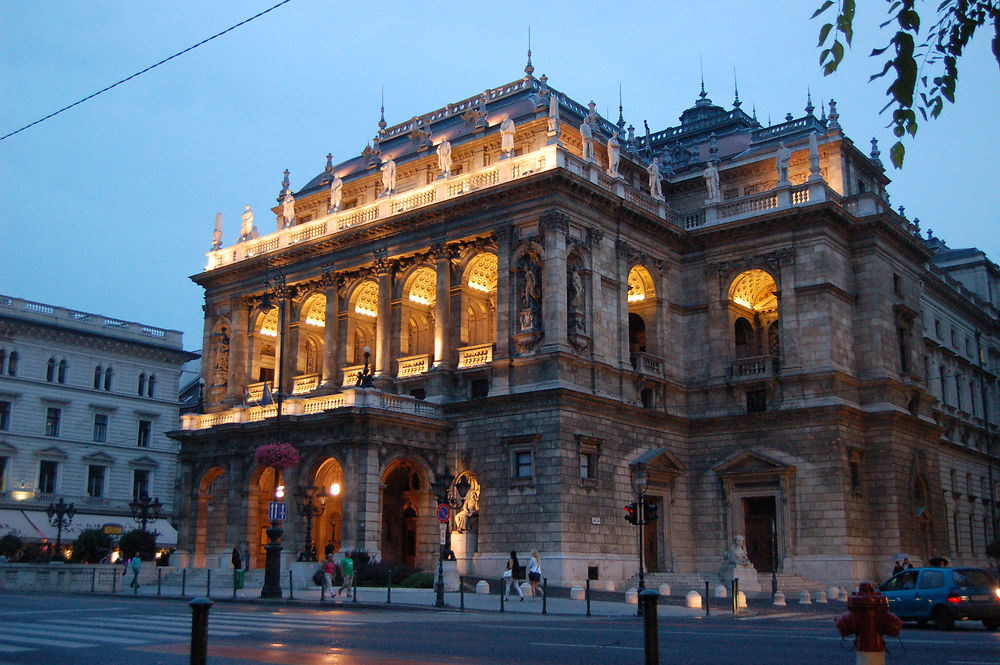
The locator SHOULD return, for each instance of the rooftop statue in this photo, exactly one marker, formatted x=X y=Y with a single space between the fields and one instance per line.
x=247 y=228
x=781 y=158
x=336 y=194
x=814 y=172
x=287 y=209
x=711 y=175
x=444 y=158
x=553 y=125
x=614 y=155
x=587 y=135
x=389 y=177
x=507 y=131
x=655 y=188
x=217 y=233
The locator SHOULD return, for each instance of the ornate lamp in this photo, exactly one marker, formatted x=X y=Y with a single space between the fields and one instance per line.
x=60 y=516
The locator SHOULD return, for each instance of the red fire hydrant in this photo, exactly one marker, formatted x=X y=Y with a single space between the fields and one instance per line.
x=868 y=618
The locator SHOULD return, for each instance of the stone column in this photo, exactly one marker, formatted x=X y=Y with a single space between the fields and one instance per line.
x=554 y=227
x=443 y=347
x=383 y=331
x=235 y=519
x=331 y=337
x=208 y=351
x=502 y=326
x=239 y=359
x=290 y=355
x=717 y=332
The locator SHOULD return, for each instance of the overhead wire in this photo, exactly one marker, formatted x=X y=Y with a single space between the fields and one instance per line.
x=139 y=73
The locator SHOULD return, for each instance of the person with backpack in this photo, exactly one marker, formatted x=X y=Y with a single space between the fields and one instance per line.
x=329 y=569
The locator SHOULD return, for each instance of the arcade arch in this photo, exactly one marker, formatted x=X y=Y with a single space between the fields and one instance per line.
x=404 y=489
x=753 y=314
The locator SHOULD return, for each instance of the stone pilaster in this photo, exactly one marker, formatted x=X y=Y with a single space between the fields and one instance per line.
x=239 y=357
x=290 y=352
x=331 y=338
x=383 y=332
x=554 y=227
x=443 y=348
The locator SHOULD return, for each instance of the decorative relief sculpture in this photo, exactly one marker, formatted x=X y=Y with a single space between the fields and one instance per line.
x=614 y=155
x=444 y=158
x=655 y=188
x=336 y=194
x=389 y=178
x=587 y=136
x=220 y=366
x=781 y=158
x=507 y=130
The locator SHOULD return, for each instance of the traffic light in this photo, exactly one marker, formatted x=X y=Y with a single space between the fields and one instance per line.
x=650 y=512
x=631 y=514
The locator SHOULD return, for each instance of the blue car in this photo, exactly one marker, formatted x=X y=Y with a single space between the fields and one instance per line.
x=944 y=596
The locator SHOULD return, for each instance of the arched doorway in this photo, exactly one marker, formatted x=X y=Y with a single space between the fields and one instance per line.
x=260 y=493
x=213 y=515
x=404 y=486
x=325 y=494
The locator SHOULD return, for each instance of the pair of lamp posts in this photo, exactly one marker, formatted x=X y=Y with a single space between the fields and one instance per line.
x=145 y=510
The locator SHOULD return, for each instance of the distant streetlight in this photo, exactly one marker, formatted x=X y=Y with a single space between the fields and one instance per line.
x=640 y=482
x=309 y=508
x=145 y=510
x=60 y=516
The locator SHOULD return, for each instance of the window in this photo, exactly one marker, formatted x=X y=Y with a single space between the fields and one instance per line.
x=854 y=465
x=140 y=483
x=904 y=580
x=107 y=379
x=12 y=364
x=100 y=427
x=98 y=372
x=3 y=474
x=142 y=384
x=61 y=377
x=932 y=579
x=756 y=400
x=151 y=391
x=50 y=370
x=896 y=288
x=95 y=481
x=52 y=418
x=4 y=416
x=523 y=464
x=3 y=358
x=590 y=454
x=588 y=466
x=145 y=433
x=47 y=471
x=937 y=328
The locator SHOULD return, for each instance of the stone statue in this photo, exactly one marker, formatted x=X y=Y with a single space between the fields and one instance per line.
x=553 y=125
x=711 y=175
x=781 y=158
x=614 y=155
x=531 y=293
x=587 y=135
x=470 y=508
x=288 y=209
x=336 y=194
x=814 y=173
x=655 y=188
x=575 y=299
x=217 y=233
x=444 y=158
x=736 y=555
x=246 y=230
x=389 y=177
x=507 y=130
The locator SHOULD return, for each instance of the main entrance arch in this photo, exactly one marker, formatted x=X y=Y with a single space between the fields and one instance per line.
x=404 y=487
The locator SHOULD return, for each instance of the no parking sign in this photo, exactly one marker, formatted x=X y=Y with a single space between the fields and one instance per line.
x=443 y=512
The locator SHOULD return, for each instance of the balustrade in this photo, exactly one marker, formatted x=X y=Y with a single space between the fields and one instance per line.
x=473 y=356
x=414 y=365
x=756 y=367
x=305 y=383
x=644 y=363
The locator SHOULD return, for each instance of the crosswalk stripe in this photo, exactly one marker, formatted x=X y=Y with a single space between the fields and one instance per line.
x=12 y=649
x=75 y=633
x=36 y=641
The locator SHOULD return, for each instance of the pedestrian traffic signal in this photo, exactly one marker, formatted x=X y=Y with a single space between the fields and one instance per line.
x=631 y=513
x=649 y=514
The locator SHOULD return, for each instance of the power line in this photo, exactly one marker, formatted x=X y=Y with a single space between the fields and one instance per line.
x=113 y=85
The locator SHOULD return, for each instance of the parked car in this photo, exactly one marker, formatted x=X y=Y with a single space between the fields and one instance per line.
x=944 y=596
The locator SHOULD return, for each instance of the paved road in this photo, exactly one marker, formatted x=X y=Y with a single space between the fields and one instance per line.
x=74 y=629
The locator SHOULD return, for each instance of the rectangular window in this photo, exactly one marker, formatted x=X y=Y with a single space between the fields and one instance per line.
x=140 y=483
x=100 y=427
x=756 y=401
x=47 y=470
x=95 y=481
x=588 y=466
x=523 y=466
x=145 y=433
x=52 y=418
x=3 y=474
x=4 y=416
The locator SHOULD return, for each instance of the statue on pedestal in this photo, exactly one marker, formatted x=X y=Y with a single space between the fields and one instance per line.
x=389 y=177
x=507 y=130
x=444 y=158
x=587 y=136
x=814 y=172
x=553 y=120
x=711 y=175
x=288 y=209
x=336 y=194
x=781 y=158
x=736 y=565
x=655 y=188
x=247 y=230
x=614 y=155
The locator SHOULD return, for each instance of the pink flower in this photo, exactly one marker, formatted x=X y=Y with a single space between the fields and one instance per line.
x=277 y=455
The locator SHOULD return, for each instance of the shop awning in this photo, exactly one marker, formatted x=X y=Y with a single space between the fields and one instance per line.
x=33 y=525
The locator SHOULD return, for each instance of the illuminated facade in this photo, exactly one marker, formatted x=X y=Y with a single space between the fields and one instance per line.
x=550 y=303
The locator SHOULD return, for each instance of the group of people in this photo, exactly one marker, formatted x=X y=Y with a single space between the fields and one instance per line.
x=513 y=574
x=346 y=566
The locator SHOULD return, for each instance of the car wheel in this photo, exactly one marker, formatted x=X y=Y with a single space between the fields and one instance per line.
x=943 y=620
x=991 y=624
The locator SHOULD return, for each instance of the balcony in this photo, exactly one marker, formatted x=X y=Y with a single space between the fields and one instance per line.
x=305 y=383
x=475 y=356
x=754 y=368
x=413 y=365
x=644 y=363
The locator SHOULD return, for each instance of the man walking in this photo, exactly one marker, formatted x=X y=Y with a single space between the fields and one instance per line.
x=347 y=570
x=135 y=565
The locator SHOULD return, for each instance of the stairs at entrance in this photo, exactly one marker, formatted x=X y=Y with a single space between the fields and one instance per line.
x=681 y=583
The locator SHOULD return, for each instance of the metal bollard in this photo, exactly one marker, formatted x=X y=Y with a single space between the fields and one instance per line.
x=291 y=587
x=545 y=595
x=648 y=599
x=114 y=582
x=184 y=581
x=736 y=596
x=461 y=594
x=199 y=630
x=354 y=588
x=208 y=583
x=708 y=601
x=159 y=580
x=587 y=592
x=388 y=587
x=93 y=580
x=503 y=592
x=234 y=582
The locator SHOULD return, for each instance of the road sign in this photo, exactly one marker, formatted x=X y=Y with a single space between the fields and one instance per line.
x=443 y=512
x=276 y=510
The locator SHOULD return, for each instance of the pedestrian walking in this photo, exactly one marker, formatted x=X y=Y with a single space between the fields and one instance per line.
x=329 y=568
x=347 y=570
x=135 y=564
x=535 y=573
x=897 y=568
x=237 y=559
x=512 y=576
x=245 y=555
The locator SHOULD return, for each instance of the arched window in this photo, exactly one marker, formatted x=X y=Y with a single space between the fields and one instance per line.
x=152 y=386
x=743 y=337
x=12 y=364
x=3 y=359
x=50 y=370
x=108 y=373
x=142 y=384
x=62 y=371
x=98 y=371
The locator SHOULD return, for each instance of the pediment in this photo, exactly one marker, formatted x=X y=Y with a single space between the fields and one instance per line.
x=750 y=462
x=145 y=462
x=659 y=460
x=51 y=451
x=99 y=458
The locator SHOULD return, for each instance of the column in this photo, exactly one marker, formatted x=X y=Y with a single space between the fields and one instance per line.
x=290 y=352
x=383 y=329
x=502 y=325
x=443 y=348
x=554 y=226
x=238 y=357
x=331 y=337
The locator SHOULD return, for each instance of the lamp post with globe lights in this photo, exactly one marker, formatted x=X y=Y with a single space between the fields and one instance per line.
x=145 y=510
x=60 y=516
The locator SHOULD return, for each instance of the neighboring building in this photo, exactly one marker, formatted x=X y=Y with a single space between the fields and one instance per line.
x=549 y=311
x=85 y=402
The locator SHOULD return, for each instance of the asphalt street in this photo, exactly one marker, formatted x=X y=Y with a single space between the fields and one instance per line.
x=72 y=629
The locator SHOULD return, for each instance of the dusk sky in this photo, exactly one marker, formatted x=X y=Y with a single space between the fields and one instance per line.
x=109 y=207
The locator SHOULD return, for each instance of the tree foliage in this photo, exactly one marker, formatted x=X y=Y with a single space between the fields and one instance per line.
x=138 y=542
x=924 y=67
x=10 y=545
x=91 y=546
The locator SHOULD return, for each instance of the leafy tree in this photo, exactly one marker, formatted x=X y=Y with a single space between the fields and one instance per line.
x=10 y=545
x=138 y=542
x=926 y=72
x=92 y=545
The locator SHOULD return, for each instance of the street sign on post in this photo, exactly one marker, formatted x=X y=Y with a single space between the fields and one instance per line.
x=443 y=512
x=276 y=510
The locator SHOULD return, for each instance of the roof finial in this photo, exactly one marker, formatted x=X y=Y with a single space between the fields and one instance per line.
x=822 y=110
x=809 y=102
x=381 y=109
x=529 y=69
x=621 y=117
x=754 y=115
x=736 y=89
x=701 y=67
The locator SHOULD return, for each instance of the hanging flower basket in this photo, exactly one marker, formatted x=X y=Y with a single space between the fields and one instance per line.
x=277 y=455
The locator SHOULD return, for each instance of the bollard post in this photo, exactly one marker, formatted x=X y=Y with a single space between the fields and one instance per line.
x=208 y=584
x=184 y=581
x=388 y=587
x=736 y=595
x=159 y=580
x=503 y=592
x=587 y=592
x=114 y=582
x=545 y=595
x=461 y=594
x=93 y=580
x=354 y=588
x=234 y=582
x=648 y=599
x=199 y=630
x=708 y=602
x=291 y=587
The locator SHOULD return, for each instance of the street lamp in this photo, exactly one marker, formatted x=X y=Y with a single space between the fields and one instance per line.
x=145 y=511
x=366 y=377
x=445 y=495
x=640 y=482
x=308 y=508
x=60 y=516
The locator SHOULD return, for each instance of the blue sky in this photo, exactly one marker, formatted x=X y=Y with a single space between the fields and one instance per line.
x=109 y=207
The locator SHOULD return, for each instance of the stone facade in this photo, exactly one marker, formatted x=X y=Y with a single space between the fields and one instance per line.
x=538 y=331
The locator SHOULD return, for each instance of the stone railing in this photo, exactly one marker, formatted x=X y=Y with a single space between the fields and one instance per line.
x=474 y=356
x=650 y=365
x=755 y=367
x=311 y=405
x=414 y=365
x=305 y=383
x=351 y=375
x=255 y=391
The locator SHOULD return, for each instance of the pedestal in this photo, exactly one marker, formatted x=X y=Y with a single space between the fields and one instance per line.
x=747 y=575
